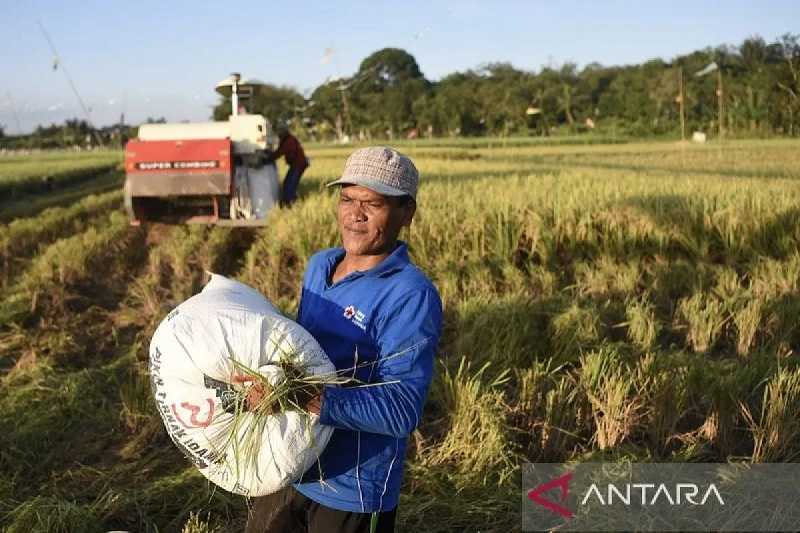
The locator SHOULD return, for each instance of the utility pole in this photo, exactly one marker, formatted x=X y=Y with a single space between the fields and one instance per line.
x=16 y=115
x=346 y=108
x=720 y=103
x=681 y=98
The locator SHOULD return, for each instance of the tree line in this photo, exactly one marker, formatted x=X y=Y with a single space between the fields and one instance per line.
x=73 y=133
x=752 y=89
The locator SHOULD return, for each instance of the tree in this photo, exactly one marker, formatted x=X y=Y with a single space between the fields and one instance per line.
x=328 y=109
x=387 y=68
x=505 y=93
x=755 y=56
x=384 y=90
x=788 y=80
x=564 y=95
x=388 y=94
x=458 y=105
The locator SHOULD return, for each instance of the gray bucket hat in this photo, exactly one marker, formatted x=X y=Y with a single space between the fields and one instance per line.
x=384 y=170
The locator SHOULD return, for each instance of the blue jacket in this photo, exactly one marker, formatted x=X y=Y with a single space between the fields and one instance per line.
x=379 y=326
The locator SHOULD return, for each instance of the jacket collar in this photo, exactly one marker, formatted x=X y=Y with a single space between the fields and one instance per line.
x=395 y=261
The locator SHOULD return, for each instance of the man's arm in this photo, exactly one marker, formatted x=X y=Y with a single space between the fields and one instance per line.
x=280 y=151
x=392 y=406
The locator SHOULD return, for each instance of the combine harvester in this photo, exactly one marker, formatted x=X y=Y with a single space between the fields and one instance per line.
x=206 y=173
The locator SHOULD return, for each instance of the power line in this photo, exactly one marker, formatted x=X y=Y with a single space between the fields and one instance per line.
x=58 y=63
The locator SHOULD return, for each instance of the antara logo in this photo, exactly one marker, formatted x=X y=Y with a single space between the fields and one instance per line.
x=652 y=494
x=561 y=483
x=628 y=494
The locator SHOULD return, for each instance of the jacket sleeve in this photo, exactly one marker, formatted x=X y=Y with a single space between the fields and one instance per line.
x=407 y=337
x=309 y=268
x=278 y=153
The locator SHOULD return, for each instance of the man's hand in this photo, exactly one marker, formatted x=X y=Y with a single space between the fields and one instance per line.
x=314 y=405
x=255 y=394
x=266 y=157
x=311 y=401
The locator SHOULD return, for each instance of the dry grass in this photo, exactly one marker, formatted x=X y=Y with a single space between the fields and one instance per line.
x=776 y=428
x=600 y=301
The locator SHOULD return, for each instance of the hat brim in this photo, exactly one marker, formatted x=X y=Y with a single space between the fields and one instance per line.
x=369 y=183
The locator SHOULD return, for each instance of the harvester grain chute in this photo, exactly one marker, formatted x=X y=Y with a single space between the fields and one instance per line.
x=208 y=172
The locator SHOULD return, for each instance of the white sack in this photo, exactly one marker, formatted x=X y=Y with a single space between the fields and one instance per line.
x=194 y=382
x=265 y=191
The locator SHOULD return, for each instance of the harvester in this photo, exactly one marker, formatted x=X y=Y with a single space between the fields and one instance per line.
x=208 y=172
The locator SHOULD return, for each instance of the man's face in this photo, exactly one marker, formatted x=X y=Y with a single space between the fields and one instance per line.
x=370 y=222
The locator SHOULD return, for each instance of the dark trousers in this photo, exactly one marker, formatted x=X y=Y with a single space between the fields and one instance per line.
x=290 y=183
x=288 y=511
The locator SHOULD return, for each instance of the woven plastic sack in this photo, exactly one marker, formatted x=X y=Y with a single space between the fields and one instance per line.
x=199 y=390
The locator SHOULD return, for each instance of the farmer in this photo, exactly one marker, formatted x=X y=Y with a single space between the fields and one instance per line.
x=378 y=318
x=290 y=148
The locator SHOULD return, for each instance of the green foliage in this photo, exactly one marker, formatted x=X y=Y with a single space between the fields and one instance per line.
x=703 y=317
x=197 y=525
x=776 y=427
x=73 y=133
x=642 y=325
x=23 y=237
x=278 y=104
x=387 y=68
x=389 y=97
x=56 y=515
x=21 y=174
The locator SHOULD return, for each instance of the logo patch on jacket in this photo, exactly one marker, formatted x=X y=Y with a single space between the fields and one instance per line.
x=355 y=316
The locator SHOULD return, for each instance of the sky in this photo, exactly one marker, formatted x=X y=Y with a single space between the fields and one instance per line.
x=162 y=58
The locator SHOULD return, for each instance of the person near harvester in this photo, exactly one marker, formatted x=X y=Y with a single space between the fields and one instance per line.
x=378 y=318
x=291 y=149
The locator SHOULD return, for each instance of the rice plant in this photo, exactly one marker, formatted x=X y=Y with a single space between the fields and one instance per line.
x=575 y=329
x=195 y=524
x=22 y=238
x=663 y=389
x=636 y=300
x=475 y=441
x=610 y=388
x=68 y=262
x=20 y=174
x=776 y=426
x=702 y=316
x=747 y=321
x=642 y=325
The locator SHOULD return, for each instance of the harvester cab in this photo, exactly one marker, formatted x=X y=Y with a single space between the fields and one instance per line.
x=208 y=172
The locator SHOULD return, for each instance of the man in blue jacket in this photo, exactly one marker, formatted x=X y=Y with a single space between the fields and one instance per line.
x=379 y=318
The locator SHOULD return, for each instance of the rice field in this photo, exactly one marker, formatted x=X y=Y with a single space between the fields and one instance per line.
x=32 y=182
x=628 y=301
x=31 y=173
